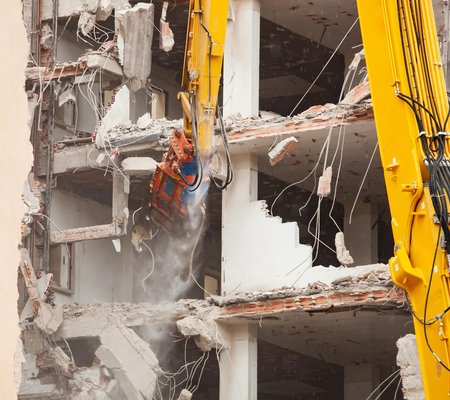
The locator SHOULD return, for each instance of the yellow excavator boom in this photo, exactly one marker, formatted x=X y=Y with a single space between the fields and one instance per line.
x=411 y=114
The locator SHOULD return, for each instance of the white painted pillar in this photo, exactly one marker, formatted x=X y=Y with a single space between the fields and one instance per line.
x=235 y=203
x=238 y=365
x=241 y=59
x=360 y=239
x=360 y=381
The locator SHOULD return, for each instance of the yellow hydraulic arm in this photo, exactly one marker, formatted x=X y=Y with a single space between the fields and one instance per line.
x=411 y=114
x=181 y=180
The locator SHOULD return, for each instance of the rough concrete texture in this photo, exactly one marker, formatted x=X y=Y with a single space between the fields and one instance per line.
x=324 y=187
x=118 y=113
x=49 y=318
x=102 y=9
x=185 y=395
x=62 y=361
x=131 y=360
x=139 y=166
x=342 y=254
x=203 y=328
x=322 y=280
x=408 y=361
x=135 y=43
x=281 y=149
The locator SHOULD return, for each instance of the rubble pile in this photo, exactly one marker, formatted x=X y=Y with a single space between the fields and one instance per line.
x=121 y=363
x=145 y=130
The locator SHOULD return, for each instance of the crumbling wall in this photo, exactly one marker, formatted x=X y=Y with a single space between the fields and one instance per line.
x=408 y=361
x=14 y=166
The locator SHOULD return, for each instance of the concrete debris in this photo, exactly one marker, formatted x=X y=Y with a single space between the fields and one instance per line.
x=49 y=319
x=321 y=280
x=62 y=361
x=185 y=395
x=408 y=361
x=166 y=41
x=126 y=133
x=324 y=187
x=90 y=375
x=203 y=328
x=144 y=121
x=130 y=314
x=135 y=43
x=102 y=9
x=139 y=166
x=118 y=113
x=46 y=37
x=86 y=22
x=237 y=123
x=357 y=94
x=281 y=149
x=131 y=360
x=342 y=254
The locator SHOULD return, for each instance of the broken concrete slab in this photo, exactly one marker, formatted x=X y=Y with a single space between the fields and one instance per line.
x=135 y=42
x=281 y=149
x=139 y=166
x=408 y=361
x=49 y=319
x=203 y=329
x=131 y=360
x=108 y=65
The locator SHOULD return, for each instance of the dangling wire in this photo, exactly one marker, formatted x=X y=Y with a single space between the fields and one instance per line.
x=229 y=177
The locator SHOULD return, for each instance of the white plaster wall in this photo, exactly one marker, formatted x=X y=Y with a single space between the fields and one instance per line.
x=258 y=251
x=100 y=273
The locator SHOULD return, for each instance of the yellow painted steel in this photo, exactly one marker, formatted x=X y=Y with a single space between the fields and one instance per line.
x=383 y=22
x=202 y=70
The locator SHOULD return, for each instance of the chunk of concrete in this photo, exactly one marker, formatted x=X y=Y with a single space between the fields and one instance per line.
x=185 y=395
x=203 y=330
x=408 y=361
x=49 y=319
x=281 y=149
x=139 y=166
x=342 y=254
x=135 y=42
x=132 y=361
x=166 y=40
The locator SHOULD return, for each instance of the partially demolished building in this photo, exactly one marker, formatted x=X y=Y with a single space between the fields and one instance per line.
x=277 y=305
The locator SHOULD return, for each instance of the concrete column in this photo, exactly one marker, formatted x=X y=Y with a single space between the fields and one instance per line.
x=241 y=59
x=235 y=203
x=360 y=381
x=238 y=365
x=360 y=238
